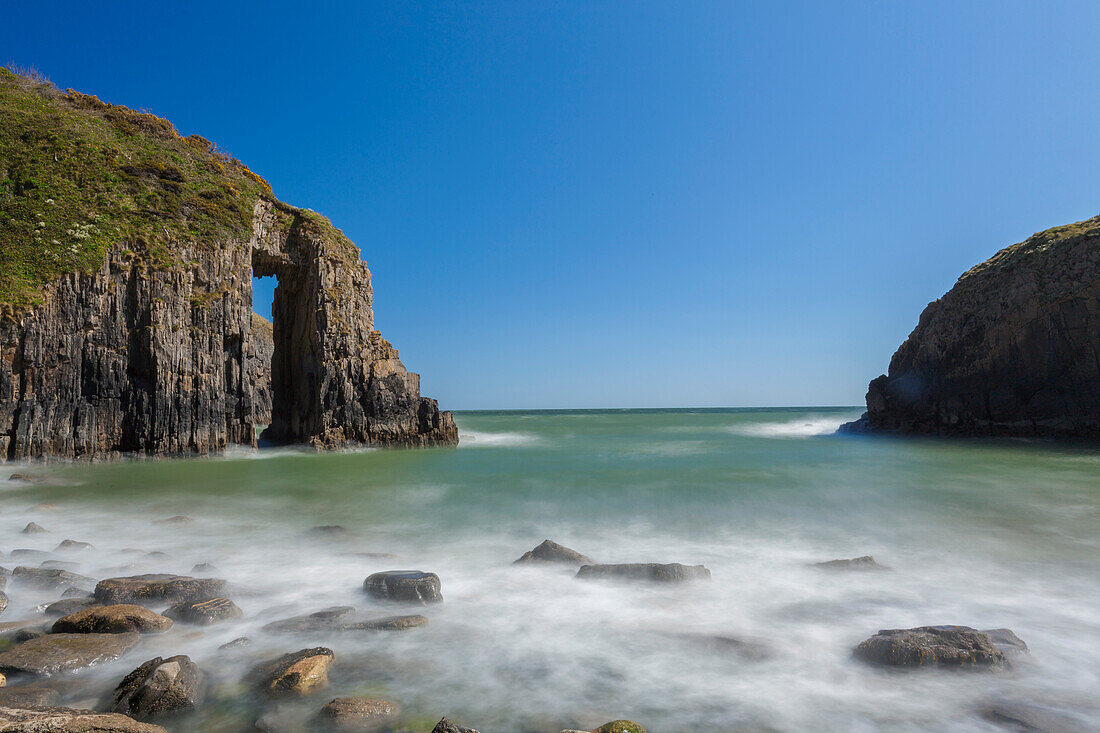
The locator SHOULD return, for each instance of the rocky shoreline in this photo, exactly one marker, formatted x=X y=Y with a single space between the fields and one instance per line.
x=128 y=623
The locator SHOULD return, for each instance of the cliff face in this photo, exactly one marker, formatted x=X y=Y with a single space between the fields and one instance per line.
x=126 y=289
x=261 y=348
x=1013 y=349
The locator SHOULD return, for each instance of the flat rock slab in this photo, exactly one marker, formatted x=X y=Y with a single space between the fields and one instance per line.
x=58 y=653
x=359 y=714
x=650 y=572
x=160 y=686
x=336 y=619
x=866 y=562
x=552 y=553
x=205 y=612
x=412 y=586
x=26 y=696
x=67 y=606
x=924 y=646
x=157 y=587
x=49 y=578
x=116 y=619
x=68 y=720
x=297 y=673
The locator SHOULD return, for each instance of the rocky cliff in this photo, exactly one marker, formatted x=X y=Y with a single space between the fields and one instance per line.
x=261 y=350
x=126 y=319
x=1013 y=349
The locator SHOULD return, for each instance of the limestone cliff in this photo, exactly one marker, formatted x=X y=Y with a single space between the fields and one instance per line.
x=126 y=296
x=1013 y=349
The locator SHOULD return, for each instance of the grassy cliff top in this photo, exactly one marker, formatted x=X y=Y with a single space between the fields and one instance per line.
x=78 y=175
x=1042 y=251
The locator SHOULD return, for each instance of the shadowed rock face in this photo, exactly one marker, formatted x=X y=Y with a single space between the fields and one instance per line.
x=261 y=349
x=1012 y=350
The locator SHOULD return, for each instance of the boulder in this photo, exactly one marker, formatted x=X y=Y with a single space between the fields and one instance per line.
x=941 y=646
x=328 y=530
x=178 y=519
x=3 y=601
x=204 y=613
x=297 y=673
x=620 y=726
x=1025 y=716
x=33 y=528
x=59 y=565
x=551 y=552
x=651 y=572
x=72 y=546
x=449 y=726
x=49 y=578
x=866 y=562
x=27 y=554
x=115 y=619
x=323 y=620
x=413 y=586
x=69 y=720
x=359 y=714
x=57 y=653
x=26 y=696
x=157 y=587
x=27 y=633
x=388 y=623
x=204 y=567
x=160 y=686
x=235 y=643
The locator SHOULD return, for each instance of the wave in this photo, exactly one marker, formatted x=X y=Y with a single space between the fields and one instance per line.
x=803 y=427
x=477 y=439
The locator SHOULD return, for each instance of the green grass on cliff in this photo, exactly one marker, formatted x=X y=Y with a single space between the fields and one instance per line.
x=78 y=176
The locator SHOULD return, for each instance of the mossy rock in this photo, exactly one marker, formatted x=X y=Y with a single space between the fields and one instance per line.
x=620 y=726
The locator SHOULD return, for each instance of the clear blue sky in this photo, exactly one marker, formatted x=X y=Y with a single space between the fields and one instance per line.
x=628 y=203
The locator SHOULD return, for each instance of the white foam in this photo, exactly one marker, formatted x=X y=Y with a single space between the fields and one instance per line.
x=476 y=439
x=802 y=427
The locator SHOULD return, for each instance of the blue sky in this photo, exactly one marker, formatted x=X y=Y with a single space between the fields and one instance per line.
x=628 y=203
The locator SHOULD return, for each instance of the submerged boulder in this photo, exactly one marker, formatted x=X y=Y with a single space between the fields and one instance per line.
x=157 y=587
x=551 y=552
x=160 y=686
x=359 y=714
x=297 y=673
x=204 y=613
x=49 y=578
x=651 y=572
x=33 y=528
x=924 y=646
x=116 y=619
x=336 y=619
x=26 y=696
x=866 y=562
x=67 y=606
x=69 y=720
x=57 y=653
x=413 y=586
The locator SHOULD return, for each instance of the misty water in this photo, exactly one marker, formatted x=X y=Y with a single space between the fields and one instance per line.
x=984 y=534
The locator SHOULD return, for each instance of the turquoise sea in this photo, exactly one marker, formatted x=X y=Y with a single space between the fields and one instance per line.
x=986 y=534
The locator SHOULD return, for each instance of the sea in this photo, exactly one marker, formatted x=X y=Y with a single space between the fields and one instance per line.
x=982 y=533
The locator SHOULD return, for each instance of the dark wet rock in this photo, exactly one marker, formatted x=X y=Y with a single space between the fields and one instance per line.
x=552 y=552
x=1025 y=716
x=26 y=554
x=204 y=567
x=3 y=601
x=942 y=646
x=866 y=562
x=325 y=619
x=205 y=612
x=359 y=714
x=413 y=586
x=33 y=528
x=1006 y=640
x=59 y=565
x=74 y=592
x=178 y=519
x=26 y=478
x=66 y=606
x=620 y=726
x=115 y=619
x=69 y=720
x=743 y=648
x=73 y=546
x=49 y=578
x=157 y=587
x=25 y=696
x=159 y=687
x=27 y=633
x=449 y=726
x=297 y=673
x=3 y=581
x=388 y=623
x=57 y=653
x=652 y=572
x=329 y=530
x=236 y=643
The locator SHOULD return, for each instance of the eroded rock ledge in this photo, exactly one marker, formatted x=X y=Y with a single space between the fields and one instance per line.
x=1013 y=349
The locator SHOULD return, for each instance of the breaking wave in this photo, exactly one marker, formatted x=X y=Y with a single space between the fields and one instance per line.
x=475 y=439
x=802 y=427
